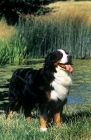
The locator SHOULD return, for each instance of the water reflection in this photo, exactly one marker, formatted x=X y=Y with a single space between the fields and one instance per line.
x=72 y=99
x=81 y=88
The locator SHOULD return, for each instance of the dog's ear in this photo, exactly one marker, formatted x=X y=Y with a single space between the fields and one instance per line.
x=56 y=56
x=52 y=58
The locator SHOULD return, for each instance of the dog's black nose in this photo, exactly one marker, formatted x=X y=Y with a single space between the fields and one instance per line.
x=69 y=59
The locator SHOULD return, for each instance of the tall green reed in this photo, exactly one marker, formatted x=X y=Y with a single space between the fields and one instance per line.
x=44 y=35
x=37 y=36
x=12 y=50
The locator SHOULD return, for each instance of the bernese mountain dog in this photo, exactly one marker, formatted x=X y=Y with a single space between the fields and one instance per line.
x=48 y=87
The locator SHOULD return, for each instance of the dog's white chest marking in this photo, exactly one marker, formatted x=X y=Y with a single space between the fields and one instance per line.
x=60 y=84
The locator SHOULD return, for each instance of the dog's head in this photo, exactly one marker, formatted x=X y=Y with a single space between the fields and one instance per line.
x=59 y=58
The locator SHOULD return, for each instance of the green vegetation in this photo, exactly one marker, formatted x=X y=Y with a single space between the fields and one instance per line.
x=44 y=35
x=75 y=126
x=11 y=51
x=36 y=37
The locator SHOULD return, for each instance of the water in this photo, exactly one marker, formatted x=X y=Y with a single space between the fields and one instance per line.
x=79 y=92
x=81 y=88
x=72 y=99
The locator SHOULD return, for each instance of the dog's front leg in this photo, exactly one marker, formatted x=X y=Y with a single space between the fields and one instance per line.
x=43 y=123
x=57 y=118
x=43 y=118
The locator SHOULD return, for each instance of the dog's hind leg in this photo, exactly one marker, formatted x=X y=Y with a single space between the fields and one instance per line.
x=27 y=113
x=27 y=110
x=8 y=116
x=10 y=110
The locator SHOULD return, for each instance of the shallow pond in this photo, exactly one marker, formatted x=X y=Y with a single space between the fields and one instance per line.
x=79 y=92
x=81 y=88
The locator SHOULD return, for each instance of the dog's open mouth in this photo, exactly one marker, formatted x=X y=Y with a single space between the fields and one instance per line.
x=66 y=66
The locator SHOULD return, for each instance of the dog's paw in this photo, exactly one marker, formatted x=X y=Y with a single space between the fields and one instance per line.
x=43 y=129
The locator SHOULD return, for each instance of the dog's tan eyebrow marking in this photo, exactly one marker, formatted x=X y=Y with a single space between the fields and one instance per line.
x=66 y=52
x=48 y=95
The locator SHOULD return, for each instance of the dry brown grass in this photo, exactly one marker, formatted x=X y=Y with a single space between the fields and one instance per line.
x=71 y=10
x=6 y=30
x=68 y=9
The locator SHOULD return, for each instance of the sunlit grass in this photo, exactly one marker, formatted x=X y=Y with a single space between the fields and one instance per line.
x=71 y=9
x=60 y=10
x=75 y=126
x=5 y=30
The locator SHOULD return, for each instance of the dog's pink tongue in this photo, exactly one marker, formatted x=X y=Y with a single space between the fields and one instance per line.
x=69 y=68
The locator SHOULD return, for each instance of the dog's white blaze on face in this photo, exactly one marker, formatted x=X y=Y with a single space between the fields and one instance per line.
x=64 y=58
